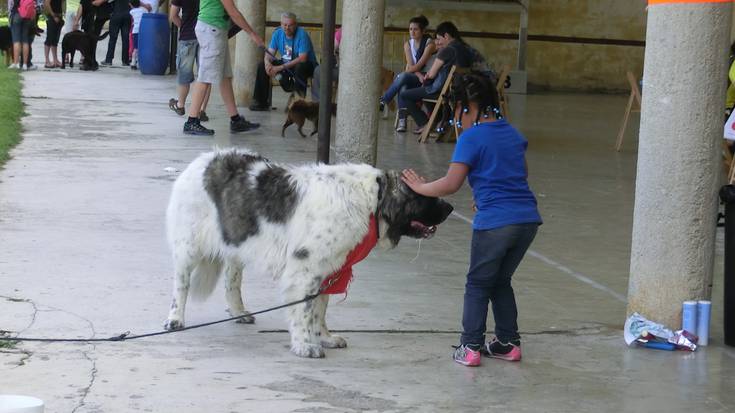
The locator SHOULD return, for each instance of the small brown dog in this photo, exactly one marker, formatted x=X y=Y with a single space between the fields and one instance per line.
x=299 y=111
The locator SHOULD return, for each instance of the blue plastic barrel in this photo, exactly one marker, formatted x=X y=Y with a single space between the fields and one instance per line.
x=153 y=44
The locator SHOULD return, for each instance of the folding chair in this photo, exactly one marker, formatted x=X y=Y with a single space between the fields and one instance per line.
x=437 y=106
x=500 y=87
x=635 y=97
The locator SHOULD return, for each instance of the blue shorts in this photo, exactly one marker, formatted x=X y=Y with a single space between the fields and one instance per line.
x=135 y=41
x=20 y=29
x=186 y=55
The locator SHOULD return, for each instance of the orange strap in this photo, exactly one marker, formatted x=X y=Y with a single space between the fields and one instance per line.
x=687 y=1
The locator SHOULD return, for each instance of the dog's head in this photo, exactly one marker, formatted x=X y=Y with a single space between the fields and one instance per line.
x=407 y=213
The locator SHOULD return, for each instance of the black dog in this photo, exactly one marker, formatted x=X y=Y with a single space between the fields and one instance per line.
x=86 y=43
x=6 y=43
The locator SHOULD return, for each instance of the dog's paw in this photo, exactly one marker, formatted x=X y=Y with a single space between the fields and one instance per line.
x=248 y=319
x=245 y=319
x=334 y=341
x=173 y=324
x=307 y=350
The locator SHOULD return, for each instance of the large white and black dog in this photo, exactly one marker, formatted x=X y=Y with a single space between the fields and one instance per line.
x=234 y=210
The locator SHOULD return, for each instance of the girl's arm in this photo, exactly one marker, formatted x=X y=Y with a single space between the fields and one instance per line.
x=447 y=185
x=407 y=52
x=428 y=52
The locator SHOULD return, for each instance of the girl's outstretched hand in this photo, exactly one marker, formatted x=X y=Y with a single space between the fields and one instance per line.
x=412 y=179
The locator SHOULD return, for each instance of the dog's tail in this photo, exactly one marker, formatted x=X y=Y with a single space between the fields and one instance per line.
x=204 y=278
x=103 y=36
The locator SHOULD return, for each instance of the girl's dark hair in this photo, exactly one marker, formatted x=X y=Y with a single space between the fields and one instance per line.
x=135 y=3
x=474 y=87
x=448 y=28
x=422 y=21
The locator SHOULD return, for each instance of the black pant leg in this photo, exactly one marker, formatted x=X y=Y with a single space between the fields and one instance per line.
x=125 y=33
x=262 y=89
x=303 y=72
x=115 y=27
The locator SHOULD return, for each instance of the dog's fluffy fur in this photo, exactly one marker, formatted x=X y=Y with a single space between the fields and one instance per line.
x=298 y=111
x=233 y=211
x=6 y=44
x=86 y=43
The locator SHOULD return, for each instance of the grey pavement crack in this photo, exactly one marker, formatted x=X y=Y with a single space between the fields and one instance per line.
x=86 y=353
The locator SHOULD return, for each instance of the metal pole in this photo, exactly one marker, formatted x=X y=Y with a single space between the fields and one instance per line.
x=727 y=195
x=173 y=47
x=325 y=88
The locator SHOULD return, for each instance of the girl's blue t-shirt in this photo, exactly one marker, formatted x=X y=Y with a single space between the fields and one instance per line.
x=495 y=154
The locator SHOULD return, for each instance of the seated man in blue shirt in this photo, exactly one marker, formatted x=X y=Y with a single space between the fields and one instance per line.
x=297 y=59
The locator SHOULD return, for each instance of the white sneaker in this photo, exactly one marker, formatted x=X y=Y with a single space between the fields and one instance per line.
x=31 y=67
x=14 y=66
x=401 y=125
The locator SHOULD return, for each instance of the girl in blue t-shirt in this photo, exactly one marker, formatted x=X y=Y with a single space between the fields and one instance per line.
x=490 y=153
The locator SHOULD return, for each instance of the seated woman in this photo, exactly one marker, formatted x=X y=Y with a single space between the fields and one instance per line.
x=418 y=49
x=453 y=51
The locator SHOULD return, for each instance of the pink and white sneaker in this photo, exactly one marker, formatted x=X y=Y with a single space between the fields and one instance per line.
x=510 y=351
x=466 y=356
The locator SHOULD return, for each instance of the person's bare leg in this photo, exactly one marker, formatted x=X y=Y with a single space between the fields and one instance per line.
x=206 y=98
x=228 y=96
x=197 y=97
x=54 y=54
x=183 y=93
x=16 y=53
x=46 y=50
x=26 y=49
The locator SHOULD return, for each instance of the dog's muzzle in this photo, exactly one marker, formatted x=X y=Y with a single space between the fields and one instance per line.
x=424 y=230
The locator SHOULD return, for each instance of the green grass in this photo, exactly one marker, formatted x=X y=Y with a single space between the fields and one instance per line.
x=11 y=110
x=8 y=344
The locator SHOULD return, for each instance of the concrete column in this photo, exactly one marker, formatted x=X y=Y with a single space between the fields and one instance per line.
x=679 y=163
x=247 y=54
x=523 y=35
x=361 y=56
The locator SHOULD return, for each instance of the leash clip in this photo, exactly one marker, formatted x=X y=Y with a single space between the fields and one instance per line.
x=121 y=337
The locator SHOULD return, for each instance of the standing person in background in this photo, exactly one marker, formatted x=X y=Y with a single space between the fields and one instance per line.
x=136 y=12
x=119 y=25
x=84 y=18
x=102 y=13
x=22 y=31
x=54 y=10
x=316 y=80
x=213 y=23
x=183 y=13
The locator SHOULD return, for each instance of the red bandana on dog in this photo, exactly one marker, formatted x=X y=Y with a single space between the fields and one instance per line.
x=337 y=283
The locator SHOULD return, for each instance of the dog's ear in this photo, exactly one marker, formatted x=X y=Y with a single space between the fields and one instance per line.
x=382 y=183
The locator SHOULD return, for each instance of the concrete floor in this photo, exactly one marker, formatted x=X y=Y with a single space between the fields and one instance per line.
x=83 y=255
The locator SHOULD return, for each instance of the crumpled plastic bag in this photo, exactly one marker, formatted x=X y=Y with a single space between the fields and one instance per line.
x=636 y=325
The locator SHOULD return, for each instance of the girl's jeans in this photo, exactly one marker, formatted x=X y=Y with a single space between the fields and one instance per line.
x=494 y=257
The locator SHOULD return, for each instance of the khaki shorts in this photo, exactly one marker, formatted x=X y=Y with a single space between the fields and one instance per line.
x=214 y=53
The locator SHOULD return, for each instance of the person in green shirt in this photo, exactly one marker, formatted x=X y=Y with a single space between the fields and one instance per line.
x=211 y=30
